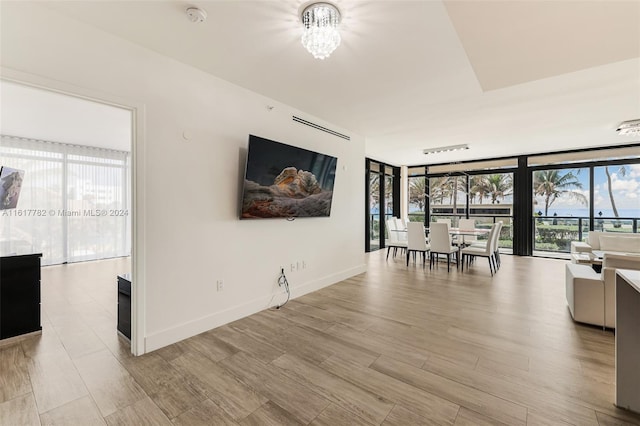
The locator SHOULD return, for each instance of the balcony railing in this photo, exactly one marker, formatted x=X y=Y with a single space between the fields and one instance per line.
x=555 y=233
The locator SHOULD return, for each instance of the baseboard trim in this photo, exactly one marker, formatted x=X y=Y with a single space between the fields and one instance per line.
x=191 y=328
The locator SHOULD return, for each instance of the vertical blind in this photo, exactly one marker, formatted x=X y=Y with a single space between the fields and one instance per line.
x=74 y=204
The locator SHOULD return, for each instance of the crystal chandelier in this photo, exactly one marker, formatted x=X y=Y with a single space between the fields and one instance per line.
x=320 y=36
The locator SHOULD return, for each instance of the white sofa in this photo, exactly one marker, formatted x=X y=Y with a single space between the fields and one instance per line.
x=591 y=295
x=608 y=242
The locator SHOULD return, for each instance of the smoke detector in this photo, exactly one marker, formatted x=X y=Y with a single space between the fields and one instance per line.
x=195 y=14
x=630 y=127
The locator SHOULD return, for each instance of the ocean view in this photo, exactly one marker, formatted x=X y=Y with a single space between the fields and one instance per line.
x=583 y=212
x=575 y=212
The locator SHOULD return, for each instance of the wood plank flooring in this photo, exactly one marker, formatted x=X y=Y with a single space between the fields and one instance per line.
x=396 y=345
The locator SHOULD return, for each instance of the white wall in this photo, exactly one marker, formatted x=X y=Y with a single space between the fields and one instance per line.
x=190 y=188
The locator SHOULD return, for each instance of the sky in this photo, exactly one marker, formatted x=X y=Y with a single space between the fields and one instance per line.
x=626 y=191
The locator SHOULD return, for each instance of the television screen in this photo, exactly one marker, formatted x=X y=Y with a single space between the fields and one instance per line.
x=10 y=185
x=283 y=181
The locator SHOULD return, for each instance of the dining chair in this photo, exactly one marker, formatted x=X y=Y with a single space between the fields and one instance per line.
x=416 y=241
x=405 y=220
x=447 y=221
x=487 y=251
x=467 y=225
x=401 y=226
x=394 y=242
x=483 y=243
x=496 y=247
x=441 y=244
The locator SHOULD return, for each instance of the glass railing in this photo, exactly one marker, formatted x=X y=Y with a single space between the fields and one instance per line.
x=555 y=233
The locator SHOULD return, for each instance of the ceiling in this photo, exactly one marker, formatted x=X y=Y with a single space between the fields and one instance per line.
x=34 y=113
x=506 y=77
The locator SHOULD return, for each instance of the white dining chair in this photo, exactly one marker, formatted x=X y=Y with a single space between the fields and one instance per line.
x=447 y=221
x=467 y=225
x=394 y=242
x=416 y=242
x=488 y=251
x=483 y=243
x=441 y=244
x=452 y=238
x=401 y=226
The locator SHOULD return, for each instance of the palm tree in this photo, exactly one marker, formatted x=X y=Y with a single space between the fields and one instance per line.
x=498 y=186
x=438 y=189
x=374 y=190
x=622 y=171
x=417 y=195
x=550 y=184
x=477 y=186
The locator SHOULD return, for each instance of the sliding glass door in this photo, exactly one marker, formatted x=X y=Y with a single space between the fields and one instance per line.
x=382 y=193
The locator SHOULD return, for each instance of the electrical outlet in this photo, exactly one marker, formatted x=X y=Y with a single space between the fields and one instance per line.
x=293 y=267
x=297 y=266
x=220 y=285
x=304 y=265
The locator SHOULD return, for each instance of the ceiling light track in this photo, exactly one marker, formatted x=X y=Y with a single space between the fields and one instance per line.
x=449 y=148
x=631 y=127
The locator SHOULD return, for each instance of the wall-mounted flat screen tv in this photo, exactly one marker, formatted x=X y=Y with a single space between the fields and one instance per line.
x=283 y=181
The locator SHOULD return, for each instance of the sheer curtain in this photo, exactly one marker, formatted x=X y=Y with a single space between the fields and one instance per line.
x=74 y=204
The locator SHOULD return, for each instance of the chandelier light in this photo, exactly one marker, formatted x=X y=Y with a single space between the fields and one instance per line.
x=320 y=25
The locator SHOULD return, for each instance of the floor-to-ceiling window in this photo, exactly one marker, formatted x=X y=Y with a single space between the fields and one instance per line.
x=383 y=194
x=616 y=203
x=74 y=202
x=561 y=207
x=373 y=207
x=417 y=194
x=578 y=191
x=447 y=197
x=491 y=200
x=482 y=191
x=545 y=201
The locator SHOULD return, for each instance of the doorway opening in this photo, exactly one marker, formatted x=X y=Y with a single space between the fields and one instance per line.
x=75 y=205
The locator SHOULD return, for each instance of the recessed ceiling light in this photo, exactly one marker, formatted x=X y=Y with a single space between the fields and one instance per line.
x=446 y=149
x=630 y=127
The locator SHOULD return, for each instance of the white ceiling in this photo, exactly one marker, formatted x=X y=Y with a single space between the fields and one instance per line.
x=506 y=77
x=34 y=113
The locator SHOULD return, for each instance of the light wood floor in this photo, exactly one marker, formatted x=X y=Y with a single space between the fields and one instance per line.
x=393 y=346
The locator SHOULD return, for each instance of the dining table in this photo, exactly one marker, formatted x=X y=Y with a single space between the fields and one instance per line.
x=476 y=232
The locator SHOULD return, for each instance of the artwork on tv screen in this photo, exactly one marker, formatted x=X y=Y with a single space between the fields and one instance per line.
x=10 y=185
x=283 y=181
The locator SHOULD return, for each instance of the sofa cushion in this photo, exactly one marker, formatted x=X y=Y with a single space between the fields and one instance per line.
x=594 y=239
x=621 y=261
x=619 y=243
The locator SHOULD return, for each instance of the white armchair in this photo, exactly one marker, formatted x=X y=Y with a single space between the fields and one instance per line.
x=591 y=296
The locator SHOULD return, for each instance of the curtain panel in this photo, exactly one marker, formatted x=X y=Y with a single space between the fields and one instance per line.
x=74 y=204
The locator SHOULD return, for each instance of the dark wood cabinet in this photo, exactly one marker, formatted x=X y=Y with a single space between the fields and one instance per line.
x=19 y=295
x=124 y=305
